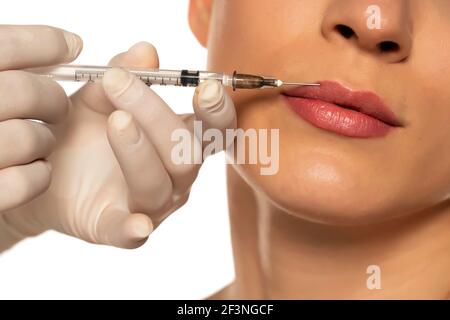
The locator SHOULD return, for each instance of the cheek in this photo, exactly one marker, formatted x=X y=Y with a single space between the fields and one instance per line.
x=425 y=149
x=256 y=34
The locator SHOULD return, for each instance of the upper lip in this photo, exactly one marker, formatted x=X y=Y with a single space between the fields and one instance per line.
x=365 y=102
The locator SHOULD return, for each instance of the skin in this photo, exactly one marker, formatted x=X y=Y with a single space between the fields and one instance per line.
x=339 y=204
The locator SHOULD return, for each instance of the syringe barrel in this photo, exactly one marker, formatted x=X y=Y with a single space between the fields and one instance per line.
x=185 y=78
x=57 y=73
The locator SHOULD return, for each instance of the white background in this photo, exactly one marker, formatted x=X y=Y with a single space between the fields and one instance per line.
x=189 y=256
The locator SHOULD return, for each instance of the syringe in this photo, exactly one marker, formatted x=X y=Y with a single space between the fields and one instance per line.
x=184 y=78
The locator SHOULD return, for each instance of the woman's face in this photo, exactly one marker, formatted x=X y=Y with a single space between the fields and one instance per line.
x=336 y=165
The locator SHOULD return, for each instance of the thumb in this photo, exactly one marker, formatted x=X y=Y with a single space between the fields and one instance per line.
x=214 y=108
x=141 y=55
x=117 y=227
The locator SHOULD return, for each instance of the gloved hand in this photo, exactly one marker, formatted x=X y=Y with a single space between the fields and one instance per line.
x=24 y=144
x=114 y=179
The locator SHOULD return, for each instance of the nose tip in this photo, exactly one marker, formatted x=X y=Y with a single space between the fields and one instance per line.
x=389 y=39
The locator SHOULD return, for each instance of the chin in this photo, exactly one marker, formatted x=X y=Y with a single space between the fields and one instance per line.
x=326 y=190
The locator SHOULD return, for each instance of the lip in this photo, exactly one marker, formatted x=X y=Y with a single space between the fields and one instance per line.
x=335 y=108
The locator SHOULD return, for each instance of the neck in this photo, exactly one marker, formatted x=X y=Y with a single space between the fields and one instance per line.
x=278 y=255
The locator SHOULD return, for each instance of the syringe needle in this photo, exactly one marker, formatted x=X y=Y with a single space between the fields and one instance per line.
x=299 y=84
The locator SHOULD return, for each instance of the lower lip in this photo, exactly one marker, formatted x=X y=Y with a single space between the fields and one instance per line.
x=334 y=118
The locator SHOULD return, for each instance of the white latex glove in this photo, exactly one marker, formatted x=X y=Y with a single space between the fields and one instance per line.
x=113 y=178
x=24 y=144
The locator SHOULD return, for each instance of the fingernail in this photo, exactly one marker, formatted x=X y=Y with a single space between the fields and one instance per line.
x=142 y=230
x=210 y=94
x=122 y=86
x=140 y=46
x=125 y=127
x=74 y=45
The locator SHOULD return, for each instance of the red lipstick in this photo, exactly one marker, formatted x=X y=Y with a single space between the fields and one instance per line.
x=335 y=108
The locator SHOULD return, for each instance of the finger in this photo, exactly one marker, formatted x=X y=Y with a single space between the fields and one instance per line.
x=28 y=96
x=34 y=46
x=141 y=55
x=21 y=184
x=24 y=141
x=178 y=149
x=213 y=106
x=214 y=113
x=117 y=227
x=149 y=183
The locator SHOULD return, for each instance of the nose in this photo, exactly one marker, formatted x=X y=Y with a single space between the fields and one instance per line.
x=379 y=27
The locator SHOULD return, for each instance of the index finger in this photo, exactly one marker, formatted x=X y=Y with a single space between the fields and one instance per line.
x=36 y=45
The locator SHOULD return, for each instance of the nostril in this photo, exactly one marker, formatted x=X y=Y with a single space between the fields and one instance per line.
x=388 y=46
x=345 y=31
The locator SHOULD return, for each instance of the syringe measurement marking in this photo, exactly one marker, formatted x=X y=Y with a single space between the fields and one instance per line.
x=91 y=77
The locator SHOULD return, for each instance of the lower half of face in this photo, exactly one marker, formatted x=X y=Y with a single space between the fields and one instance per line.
x=387 y=156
